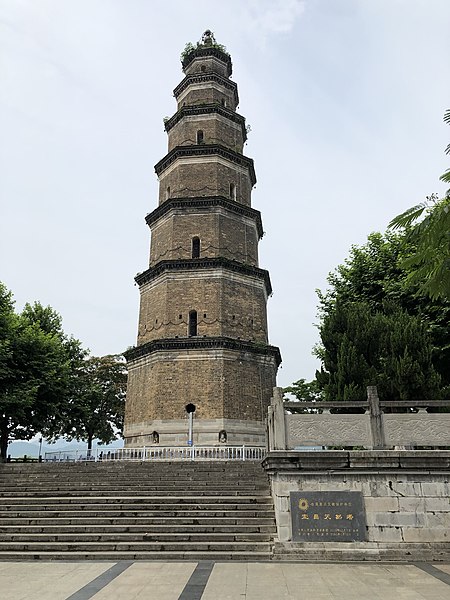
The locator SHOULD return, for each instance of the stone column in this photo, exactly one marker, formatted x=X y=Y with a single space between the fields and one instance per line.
x=376 y=419
x=277 y=422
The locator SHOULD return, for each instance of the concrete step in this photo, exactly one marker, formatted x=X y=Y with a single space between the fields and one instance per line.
x=121 y=468
x=180 y=496
x=123 y=511
x=142 y=528
x=143 y=503
x=190 y=555
x=161 y=514
x=131 y=538
x=164 y=522
x=134 y=475
x=122 y=483
x=335 y=555
x=114 y=546
x=115 y=493
x=142 y=479
x=155 y=506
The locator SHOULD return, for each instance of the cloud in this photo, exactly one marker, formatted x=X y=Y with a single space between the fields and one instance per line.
x=272 y=17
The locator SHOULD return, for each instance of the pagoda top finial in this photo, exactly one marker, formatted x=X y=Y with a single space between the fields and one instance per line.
x=208 y=38
x=207 y=46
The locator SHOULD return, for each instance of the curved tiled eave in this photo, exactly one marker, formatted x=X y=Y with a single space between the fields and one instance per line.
x=205 y=204
x=202 y=343
x=206 y=150
x=197 y=78
x=206 y=109
x=205 y=51
x=197 y=264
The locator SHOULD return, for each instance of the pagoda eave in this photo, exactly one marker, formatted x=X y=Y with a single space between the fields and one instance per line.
x=203 y=343
x=203 y=150
x=193 y=264
x=206 y=109
x=208 y=51
x=206 y=203
x=197 y=78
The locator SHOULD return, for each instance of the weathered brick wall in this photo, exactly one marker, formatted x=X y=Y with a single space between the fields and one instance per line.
x=226 y=304
x=162 y=385
x=207 y=64
x=221 y=234
x=202 y=177
x=249 y=401
x=165 y=386
x=206 y=93
x=216 y=130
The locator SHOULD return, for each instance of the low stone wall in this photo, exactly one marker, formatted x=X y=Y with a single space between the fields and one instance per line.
x=406 y=498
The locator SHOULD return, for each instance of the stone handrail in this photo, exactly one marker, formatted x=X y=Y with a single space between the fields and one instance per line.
x=375 y=428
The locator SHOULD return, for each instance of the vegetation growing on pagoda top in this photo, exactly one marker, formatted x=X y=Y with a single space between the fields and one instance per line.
x=208 y=41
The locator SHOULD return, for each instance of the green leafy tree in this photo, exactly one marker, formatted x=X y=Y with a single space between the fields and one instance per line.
x=305 y=391
x=53 y=395
x=427 y=227
x=445 y=177
x=389 y=349
x=35 y=370
x=96 y=408
x=374 y=275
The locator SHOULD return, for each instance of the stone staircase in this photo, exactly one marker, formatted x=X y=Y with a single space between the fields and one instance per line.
x=136 y=510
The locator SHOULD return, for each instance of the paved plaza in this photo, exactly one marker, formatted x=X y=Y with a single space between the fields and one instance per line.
x=222 y=581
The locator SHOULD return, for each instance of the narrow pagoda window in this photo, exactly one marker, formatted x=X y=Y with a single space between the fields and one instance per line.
x=233 y=191
x=199 y=136
x=168 y=193
x=192 y=323
x=195 y=247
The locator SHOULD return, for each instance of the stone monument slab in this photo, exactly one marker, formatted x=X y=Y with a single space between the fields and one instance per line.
x=332 y=516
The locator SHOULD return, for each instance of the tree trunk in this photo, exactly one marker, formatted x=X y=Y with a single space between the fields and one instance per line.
x=89 y=443
x=3 y=440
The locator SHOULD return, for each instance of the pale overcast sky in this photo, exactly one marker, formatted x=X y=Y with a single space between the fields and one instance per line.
x=345 y=99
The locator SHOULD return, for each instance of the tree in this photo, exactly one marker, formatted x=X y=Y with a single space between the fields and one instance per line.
x=53 y=396
x=96 y=407
x=35 y=366
x=446 y=176
x=305 y=391
x=389 y=349
x=427 y=227
x=374 y=322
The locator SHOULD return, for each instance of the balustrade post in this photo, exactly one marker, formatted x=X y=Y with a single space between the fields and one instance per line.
x=376 y=419
x=277 y=430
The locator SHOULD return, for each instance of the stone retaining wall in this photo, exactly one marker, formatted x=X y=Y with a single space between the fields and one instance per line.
x=406 y=497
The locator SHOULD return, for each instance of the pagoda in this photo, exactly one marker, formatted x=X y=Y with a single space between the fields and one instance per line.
x=202 y=355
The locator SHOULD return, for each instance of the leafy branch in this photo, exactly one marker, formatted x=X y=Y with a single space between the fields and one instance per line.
x=427 y=225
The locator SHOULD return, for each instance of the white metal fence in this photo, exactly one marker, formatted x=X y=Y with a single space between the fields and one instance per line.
x=168 y=453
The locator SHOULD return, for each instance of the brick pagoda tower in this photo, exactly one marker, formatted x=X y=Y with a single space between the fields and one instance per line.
x=202 y=337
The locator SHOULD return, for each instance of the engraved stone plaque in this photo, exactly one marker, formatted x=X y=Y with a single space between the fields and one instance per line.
x=327 y=516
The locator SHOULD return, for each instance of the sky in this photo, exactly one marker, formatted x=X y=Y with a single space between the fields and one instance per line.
x=345 y=99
